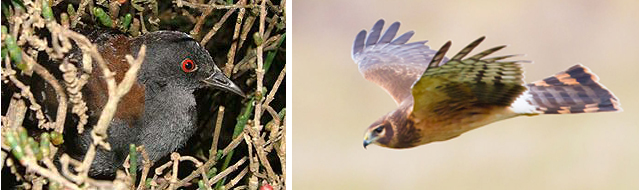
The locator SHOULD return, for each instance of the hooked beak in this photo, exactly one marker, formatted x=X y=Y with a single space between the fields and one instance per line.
x=368 y=139
x=366 y=143
x=218 y=80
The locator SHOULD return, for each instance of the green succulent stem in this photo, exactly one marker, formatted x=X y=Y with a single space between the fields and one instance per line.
x=47 y=13
x=35 y=148
x=102 y=16
x=14 y=51
x=200 y=185
x=271 y=55
x=56 y=138
x=14 y=143
x=126 y=21
x=44 y=144
x=133 y=162
x=71 y=10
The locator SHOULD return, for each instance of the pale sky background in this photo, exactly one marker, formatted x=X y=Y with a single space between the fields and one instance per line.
x=334 y=104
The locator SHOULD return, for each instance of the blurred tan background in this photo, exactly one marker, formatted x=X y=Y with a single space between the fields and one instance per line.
x=334 y=104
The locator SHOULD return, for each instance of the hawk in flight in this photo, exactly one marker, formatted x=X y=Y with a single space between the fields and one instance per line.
x=440 y=98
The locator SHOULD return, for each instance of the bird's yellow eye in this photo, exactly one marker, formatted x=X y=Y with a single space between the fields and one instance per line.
x=379 y=129
x=188 y=65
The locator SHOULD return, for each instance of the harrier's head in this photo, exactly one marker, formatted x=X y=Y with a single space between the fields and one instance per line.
x=393 y=130
x=380 y=133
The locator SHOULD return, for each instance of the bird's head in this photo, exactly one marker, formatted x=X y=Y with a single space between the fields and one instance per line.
x=394 y=130
x=175 y=58
x=380 y=133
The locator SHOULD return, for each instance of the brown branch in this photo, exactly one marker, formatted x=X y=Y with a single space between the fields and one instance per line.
x=207 y=165
x=65 y=160
x=246 y=29
x=25 y=92
x=203 y=169
x=159 y=171
x=233 y=144
x=147 y=166
x=30 y=162
x=47 y=162
x=259 y=71
x=200 y=21
x=236 y=179
x=176 y=161
x=258 y=144
x=74 y=86
x=15 y=113
x=276 y=86
x=62 y=97
x=227 y=171
x=253 y=166
x=216 y=27
x=181 y=3
x=281 y=151
x=274 y=115
x=216 y=133
x=231 y=55
x=79 y=12
x=32 y=165
x=205 y=178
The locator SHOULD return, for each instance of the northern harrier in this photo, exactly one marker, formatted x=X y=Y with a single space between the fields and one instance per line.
x=440 y=98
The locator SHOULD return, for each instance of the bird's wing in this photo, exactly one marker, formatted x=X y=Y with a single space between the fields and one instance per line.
x=390 y=62
x=460 y=85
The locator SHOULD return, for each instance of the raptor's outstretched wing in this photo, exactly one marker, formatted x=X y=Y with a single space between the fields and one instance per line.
x=391 y=63
x=461 y=87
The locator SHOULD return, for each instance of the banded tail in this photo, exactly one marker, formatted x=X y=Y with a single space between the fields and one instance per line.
x=575 y=90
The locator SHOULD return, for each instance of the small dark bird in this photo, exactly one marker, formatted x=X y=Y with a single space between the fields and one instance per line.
x=159 y=111
x=439 y=98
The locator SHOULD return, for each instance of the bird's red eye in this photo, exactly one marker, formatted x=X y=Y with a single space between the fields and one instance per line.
x=188 y=65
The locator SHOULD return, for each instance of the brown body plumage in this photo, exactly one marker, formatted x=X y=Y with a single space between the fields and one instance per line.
x=440 y=98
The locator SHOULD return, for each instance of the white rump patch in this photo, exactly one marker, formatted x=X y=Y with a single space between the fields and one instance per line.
x=523 y=105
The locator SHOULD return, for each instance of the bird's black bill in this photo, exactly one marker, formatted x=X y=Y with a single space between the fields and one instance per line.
x=218 y=80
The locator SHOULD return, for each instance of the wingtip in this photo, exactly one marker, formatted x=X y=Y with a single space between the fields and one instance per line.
x=448 y=43
x=389 y=34
x=375 y=33
x=479 y=40
x=358 y=44
x=379 y=24
x=439 y=56
x=402 y=39
x=487 y=52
